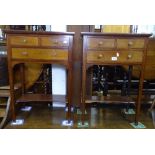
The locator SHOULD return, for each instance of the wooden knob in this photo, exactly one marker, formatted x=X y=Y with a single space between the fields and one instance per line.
x=129 y=56
x=24 y=53
x=130 y=43
x=65 y=42
x=55 y=42
x=100 y=56
x=24 y=41
x=100 y=43
x=54 y=53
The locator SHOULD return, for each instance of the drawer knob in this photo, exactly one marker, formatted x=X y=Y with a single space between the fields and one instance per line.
x=100 y=56
x=54 y=53
x=55 y=42
x=24 y=53
x=129 y=56
x=24 y=41
x=130 y=43
x=100 y=43
x=65 y=41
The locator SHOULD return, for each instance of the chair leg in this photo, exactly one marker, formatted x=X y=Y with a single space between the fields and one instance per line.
x=152 y=106
x=6 y=114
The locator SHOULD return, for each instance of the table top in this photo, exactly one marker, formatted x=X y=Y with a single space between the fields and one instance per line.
x=37 y=32
x=117 y=34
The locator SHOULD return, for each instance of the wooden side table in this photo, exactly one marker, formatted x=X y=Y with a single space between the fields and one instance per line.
x=39 y=47
x=113 y=49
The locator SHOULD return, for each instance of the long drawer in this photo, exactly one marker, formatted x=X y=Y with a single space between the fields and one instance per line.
x=39 y=54
x=114 y=56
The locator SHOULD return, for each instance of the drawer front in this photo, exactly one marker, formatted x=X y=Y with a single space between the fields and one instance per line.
x=100 y=43
x=130 y=43
x=59 y=41
x=39 y=54
x=24 y=40
x=114 y=57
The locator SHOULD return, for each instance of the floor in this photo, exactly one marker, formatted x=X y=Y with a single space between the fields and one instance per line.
x=43 y=116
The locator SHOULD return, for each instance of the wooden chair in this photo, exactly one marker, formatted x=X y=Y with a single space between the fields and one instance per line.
x=4 y=105
x=151 y=111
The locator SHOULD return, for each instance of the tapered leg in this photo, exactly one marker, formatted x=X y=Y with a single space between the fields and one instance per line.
x=83 y=93
x=12 y=97
x=69 y=92
x=138 y=104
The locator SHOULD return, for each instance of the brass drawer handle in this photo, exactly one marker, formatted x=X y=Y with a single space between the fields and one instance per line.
x=100 y=56
x=129 y=56
x=24 y=53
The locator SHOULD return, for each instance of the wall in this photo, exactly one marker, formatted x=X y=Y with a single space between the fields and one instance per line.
x=116 y=28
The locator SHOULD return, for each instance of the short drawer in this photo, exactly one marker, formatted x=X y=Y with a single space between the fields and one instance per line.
x=60 y=41
x=24 y=40
x=114 y=57
x=39 y=54
x=130 y=43
x=100 y=43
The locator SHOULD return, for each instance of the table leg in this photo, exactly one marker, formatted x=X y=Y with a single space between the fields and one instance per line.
x=83 y=94
x=140 y=91
x=12 y=97
x=69 y=92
